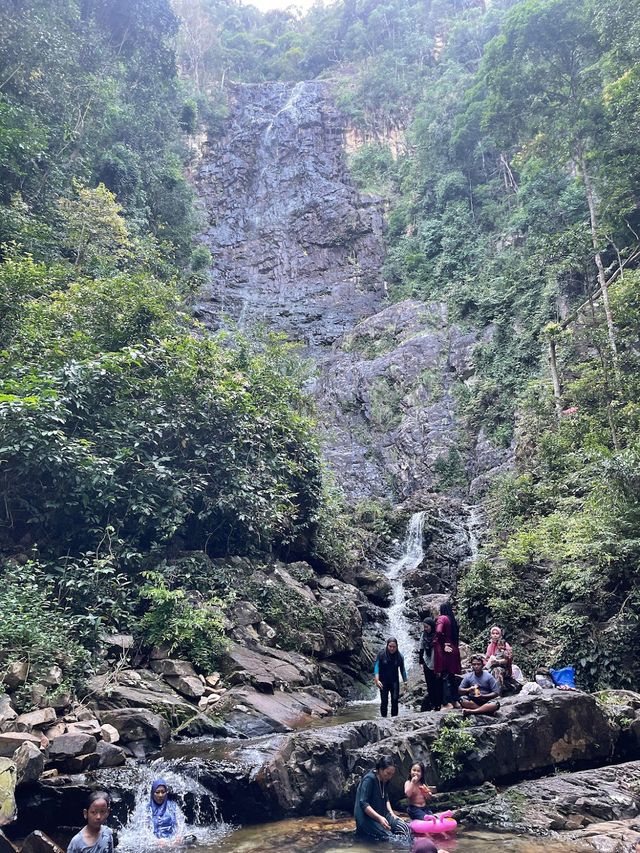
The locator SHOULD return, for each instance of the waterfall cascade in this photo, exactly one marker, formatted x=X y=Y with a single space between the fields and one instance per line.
x=410 y=558
x=199 y=806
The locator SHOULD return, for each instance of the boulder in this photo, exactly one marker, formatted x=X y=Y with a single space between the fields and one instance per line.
x=213 y=680
x=267 y=668
x=375 y=585
x=119 y=645
x=109 y=754
x=139 y=726
x=189 y=686
x=243 y=613
x=201 y=725
x=137 y=689
x=52 y=677
x=15 y=674
x=108 y=733
x=38 y=842
x=29 y=761
x=10 y=741
x=8 y=781
x=80 y=763
x=70 y=745
x=173 y=667
x=35 y=720
x=252 y=713
x=7 y=713
x=569 y=801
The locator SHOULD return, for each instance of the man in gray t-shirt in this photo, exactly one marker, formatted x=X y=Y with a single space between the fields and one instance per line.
x=480 y=688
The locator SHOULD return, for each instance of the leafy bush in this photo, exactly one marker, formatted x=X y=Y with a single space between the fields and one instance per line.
x=451 y=746
x=35 y=629
x=190 y=629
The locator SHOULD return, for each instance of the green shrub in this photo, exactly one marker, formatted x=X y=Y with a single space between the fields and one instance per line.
x=36 y=629
x=451 y=746
x=190 y=629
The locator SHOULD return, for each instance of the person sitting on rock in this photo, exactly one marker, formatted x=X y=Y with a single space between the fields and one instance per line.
x=386 y=674
x=95 y=837
x=165 y=816
x=480 y=689
x=372 y=812
x=498 y=660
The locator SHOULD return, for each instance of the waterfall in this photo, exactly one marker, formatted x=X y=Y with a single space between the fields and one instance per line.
x=410 y=558
x=197 y=804
x=474 y=522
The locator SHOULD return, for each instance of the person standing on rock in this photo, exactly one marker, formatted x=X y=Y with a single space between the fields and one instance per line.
x=446 y=656
x=372 y=812
x=95 y=837
x=433 y=699
x=388 y=668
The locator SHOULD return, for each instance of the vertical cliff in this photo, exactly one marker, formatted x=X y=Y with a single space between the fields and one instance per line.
x=296 y=247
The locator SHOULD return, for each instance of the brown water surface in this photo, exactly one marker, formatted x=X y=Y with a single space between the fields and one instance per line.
x=323 y=835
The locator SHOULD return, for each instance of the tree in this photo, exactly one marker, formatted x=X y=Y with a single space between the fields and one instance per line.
x=543 y=90
x=94 y=229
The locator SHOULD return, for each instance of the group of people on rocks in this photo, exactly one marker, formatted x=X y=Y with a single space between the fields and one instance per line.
x=165 y=821
x=477 y=692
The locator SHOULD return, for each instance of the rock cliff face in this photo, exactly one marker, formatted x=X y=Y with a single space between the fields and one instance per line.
x=296 y=247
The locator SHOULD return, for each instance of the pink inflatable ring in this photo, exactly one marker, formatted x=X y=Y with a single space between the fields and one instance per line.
x=434 y=824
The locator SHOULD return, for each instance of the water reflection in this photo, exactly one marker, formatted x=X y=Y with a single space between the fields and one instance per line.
x=323 y=835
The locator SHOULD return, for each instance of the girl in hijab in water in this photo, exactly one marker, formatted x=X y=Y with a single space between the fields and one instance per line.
x=166 y=818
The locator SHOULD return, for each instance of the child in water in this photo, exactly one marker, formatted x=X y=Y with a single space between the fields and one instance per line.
x=417 y=792
x=95 y=837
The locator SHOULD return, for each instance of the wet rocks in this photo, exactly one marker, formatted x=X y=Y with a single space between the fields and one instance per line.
x=375 y=585
x=311 y=771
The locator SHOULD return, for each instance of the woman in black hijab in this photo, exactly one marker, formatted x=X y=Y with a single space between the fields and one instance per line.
x=433 y=700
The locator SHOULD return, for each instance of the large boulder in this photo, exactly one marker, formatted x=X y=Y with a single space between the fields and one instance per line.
x=267 y=668
x=7 y=713
x=8 y=781
x=35 y=719
x=569 y=801
x=375 y=585
x=10 y=741
x=311 y=771
x=249 y=712
x=29 y=760
x=137 y=689
x=140 y=729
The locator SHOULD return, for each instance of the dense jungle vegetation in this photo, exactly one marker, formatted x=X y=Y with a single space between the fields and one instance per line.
x=129 y=437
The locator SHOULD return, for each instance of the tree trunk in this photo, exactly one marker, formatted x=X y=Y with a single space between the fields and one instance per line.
x=588 y=186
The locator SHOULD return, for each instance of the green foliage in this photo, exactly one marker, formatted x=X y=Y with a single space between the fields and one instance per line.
x=190 y=629
x=290 y=613
x=453 y=744
x=36 y=630
x=450 y=469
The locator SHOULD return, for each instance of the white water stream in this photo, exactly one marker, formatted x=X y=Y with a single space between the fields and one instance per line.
x=410 y=558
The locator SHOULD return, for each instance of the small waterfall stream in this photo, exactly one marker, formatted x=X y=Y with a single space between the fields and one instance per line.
x=198 y=805
x=410 y=558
